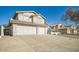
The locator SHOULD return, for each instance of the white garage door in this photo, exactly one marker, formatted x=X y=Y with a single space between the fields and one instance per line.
x=41 y=31
x=23 y=30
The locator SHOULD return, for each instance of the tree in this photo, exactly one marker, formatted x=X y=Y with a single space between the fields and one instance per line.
x=72 y=15
x=6 y=25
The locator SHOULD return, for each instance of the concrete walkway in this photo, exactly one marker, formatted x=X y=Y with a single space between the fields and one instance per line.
x=40 y=43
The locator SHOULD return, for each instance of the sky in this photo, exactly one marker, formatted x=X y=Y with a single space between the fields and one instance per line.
x=53 y=14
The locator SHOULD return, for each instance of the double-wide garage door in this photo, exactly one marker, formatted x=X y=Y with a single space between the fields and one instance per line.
x=23 y=30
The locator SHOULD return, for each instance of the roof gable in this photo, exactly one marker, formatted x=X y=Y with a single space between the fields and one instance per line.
x=18 y=12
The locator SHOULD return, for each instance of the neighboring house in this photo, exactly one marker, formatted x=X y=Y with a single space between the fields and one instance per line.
x=27 y=23
x=56 y=28
x=71 y=30
x=62 y=29
x=78 y=29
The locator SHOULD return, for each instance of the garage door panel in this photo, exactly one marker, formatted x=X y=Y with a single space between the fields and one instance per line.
x=22 y=30
x=40 y=30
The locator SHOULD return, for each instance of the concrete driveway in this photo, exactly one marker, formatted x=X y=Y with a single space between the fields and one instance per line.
x=39 y=43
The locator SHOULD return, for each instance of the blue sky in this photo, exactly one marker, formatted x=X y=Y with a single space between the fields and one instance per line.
x=53 y=14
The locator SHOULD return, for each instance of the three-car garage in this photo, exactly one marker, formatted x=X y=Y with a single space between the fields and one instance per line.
x=28 y=30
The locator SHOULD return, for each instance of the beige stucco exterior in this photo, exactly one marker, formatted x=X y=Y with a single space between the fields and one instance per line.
x=28 y=23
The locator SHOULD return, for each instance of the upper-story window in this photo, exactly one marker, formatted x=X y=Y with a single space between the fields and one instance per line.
x=20 y=17
x=24 y=17
x=27 y=18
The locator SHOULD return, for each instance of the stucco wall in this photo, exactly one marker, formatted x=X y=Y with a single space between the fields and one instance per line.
x=38 y=20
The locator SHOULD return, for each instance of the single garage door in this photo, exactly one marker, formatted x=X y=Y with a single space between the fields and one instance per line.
x=25 y=30
x=41 y=30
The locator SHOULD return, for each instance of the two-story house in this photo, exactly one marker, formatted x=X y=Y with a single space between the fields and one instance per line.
x=27 y=23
